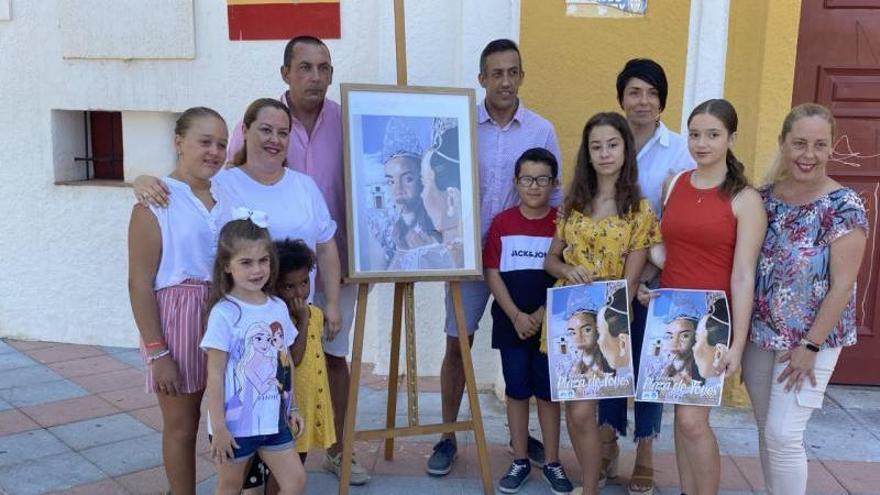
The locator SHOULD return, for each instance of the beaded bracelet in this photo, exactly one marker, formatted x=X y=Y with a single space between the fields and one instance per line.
x=153 y=357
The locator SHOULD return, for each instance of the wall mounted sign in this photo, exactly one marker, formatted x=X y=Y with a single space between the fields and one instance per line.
x=282 y=19
x=606 y=8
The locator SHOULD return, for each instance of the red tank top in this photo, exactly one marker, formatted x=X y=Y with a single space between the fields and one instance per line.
x=699 y=231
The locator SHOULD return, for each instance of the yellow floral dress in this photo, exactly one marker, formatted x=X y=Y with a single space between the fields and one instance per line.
x=601 y=246
x=312 y=389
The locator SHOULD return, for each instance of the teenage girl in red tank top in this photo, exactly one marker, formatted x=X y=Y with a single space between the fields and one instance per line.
x=713 y=225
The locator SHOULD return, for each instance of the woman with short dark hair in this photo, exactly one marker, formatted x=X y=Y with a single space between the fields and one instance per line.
x=641 y=92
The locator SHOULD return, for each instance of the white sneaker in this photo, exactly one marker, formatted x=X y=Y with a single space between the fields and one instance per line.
x=333 y=464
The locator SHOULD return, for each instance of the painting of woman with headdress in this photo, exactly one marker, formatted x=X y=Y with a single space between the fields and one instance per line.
x=406 y=224
x=584 y=331
x=411 y=179
x=679 y=357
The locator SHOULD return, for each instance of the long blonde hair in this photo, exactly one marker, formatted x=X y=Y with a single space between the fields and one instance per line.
x=776 y=171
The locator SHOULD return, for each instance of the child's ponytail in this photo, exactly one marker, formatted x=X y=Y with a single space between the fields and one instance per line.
x=735 y=180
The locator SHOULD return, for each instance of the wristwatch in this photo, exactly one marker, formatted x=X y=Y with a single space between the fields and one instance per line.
x=809 y=345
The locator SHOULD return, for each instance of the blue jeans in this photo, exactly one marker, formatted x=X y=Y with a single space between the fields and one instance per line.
x=648 y=414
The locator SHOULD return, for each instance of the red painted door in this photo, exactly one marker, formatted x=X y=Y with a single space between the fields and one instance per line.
x=838 y=65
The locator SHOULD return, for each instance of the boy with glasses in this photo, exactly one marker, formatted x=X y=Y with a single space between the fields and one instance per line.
x=513 y=259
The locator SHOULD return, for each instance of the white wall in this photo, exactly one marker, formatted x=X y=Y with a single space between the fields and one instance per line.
x=706 y=54
x=63 y=248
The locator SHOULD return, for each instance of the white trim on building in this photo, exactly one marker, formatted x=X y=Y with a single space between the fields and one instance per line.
x=706 y=54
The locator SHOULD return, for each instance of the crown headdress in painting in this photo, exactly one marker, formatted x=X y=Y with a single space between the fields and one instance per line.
x=580 y=301
x=684 y=305
x=400 y=140
x=615 y=298
x=444 y=138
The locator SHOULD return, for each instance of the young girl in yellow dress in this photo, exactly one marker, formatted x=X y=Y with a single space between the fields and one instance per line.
x=295 y=261
x=604 y=233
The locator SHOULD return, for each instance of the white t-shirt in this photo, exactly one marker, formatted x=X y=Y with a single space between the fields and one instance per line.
x=259 y=371
x=664 y=155
x=189 y=236
x=294 y=205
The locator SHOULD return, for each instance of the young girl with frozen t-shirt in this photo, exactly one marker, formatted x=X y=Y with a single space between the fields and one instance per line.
x=251 y=407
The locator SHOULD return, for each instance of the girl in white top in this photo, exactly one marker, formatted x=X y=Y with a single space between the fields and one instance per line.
x=251 y=405
x=171 y=253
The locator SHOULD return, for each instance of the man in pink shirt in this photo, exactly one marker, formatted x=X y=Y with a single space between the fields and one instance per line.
x=315 y=149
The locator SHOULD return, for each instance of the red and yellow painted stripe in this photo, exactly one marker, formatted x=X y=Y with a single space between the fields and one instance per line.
x=282 y=19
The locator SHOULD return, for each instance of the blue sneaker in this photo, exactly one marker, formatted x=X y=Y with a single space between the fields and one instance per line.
x=515 y=477
x=440 y=462
x=555 y=476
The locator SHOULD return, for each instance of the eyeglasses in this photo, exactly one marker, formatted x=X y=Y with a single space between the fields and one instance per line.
x=528 y=180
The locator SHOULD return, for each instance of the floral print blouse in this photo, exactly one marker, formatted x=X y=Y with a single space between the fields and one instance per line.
x=601 y=246
x=794 y=273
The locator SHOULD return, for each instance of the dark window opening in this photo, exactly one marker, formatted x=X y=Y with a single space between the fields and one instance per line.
x=103 y=146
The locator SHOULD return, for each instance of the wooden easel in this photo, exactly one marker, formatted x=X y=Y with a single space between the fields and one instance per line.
x=403 y=293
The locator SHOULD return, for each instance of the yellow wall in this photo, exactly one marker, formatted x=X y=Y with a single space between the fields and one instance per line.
x=759 y=74
x=761 y=53
x=571 y=63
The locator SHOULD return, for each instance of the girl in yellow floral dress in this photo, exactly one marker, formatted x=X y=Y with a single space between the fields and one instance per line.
x=603 y=233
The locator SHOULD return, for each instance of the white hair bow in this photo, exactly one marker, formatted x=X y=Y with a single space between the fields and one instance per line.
x=260 y=218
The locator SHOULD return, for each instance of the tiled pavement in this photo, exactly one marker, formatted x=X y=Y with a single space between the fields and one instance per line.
x=75 y=420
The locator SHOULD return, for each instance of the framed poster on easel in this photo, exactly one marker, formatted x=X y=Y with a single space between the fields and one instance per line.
x=412 y=182
x=413 y=201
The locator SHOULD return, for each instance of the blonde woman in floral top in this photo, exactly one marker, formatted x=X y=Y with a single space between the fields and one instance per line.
x=605 y=233
x=804 y=311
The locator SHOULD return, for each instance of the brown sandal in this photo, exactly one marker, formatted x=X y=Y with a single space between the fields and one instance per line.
x=642 y=481
x=608 y=469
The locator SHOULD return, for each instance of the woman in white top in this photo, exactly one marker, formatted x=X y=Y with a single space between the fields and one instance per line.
x=258 y=179
x=171 y=254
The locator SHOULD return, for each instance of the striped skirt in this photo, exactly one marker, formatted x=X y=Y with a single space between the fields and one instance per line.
x=182 y=314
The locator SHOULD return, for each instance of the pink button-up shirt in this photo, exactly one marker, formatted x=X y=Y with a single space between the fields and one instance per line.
x=320 y=157
x=498 y=148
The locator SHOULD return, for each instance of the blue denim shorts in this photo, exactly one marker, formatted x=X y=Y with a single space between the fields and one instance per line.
x=247 y=446
x=526 y=372
x=474 y=298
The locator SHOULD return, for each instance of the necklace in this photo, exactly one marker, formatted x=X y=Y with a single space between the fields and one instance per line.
x=700 y=191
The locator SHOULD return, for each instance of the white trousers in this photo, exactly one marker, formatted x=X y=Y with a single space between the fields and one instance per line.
x=782 y=416
x=339 y=346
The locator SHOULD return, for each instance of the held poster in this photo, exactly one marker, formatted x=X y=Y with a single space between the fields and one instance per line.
x=686 y=336
x=588 y=341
